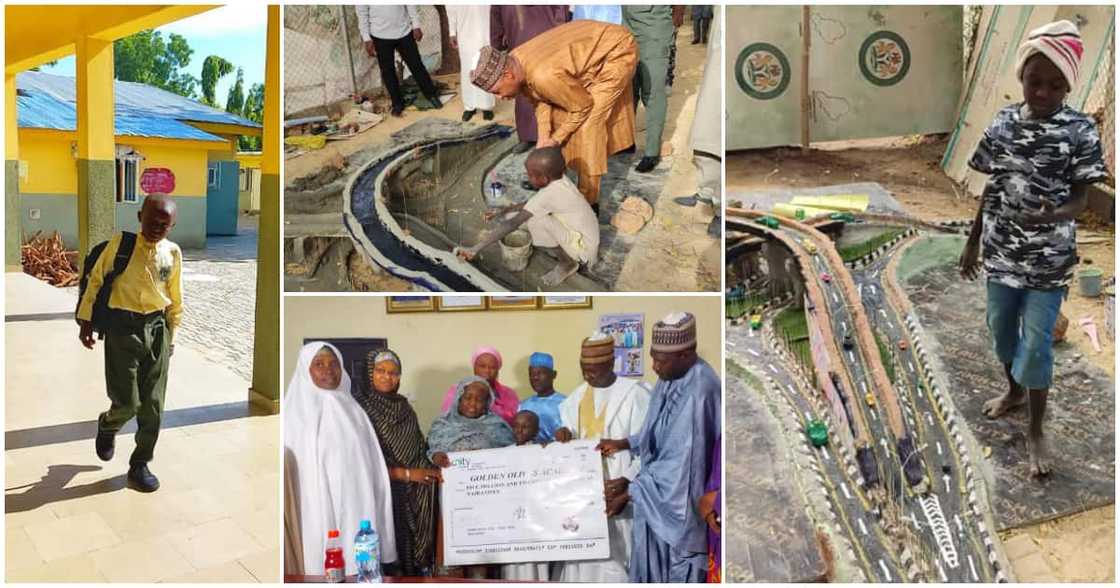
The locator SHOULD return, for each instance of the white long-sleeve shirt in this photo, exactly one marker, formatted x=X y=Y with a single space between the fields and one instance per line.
x=386 y=22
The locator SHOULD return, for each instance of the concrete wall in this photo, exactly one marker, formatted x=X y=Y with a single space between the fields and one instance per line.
x=50 y=186
x=991 y=82
x=316 y=64
x=845 y=101
x=59 y=212
x=249 y=200
x=435 y=348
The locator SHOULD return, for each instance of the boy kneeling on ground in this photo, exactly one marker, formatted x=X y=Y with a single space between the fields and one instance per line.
x=558 y=217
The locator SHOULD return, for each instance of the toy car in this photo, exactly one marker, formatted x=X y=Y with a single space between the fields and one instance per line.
x=842 y=216
x=812 y=249
x=817 y=432
x=847 y=341
x=903 y=345
x=870 y=398
x=756 y=321
x=825 y=277
x=768 y=221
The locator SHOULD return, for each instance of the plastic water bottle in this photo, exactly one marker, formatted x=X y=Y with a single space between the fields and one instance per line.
x=334 y=567
x=367 y=554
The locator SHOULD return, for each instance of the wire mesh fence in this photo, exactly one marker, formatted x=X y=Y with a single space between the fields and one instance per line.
x=325 y=60
x=1101 y=105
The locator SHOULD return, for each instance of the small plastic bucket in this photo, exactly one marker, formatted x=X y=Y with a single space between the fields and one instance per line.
x=1089 y=282
x=516 y=249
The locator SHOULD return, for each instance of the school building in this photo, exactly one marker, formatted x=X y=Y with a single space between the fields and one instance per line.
x=80 y=153
x=163 y=142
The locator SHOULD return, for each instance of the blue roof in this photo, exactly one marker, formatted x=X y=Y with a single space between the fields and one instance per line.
x=46 y=101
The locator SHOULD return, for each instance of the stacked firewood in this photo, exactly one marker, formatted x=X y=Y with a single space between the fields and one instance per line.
x=47 y=259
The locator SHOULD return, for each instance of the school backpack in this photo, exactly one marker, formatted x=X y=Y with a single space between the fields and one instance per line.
x=100 y=315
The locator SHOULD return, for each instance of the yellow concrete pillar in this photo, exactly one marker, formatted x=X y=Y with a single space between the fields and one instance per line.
x=96 y=150
x=12 y=236
x=266 y=337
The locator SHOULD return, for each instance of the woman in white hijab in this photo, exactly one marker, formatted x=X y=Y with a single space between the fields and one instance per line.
x=334 y=462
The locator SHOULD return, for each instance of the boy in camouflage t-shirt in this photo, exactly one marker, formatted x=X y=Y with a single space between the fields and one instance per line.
x=1041 y=155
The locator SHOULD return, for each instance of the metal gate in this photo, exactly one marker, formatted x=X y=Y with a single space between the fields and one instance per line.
x=874 y=71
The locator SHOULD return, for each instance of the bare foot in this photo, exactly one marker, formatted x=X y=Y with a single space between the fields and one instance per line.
x=558 y=274
x=1002 y=404
x=1039 y=457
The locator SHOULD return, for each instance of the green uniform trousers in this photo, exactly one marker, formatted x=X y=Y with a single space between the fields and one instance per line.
x=652 y=27
x=137 y=352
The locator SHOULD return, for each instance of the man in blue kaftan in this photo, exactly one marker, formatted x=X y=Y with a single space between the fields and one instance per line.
x=675 y=449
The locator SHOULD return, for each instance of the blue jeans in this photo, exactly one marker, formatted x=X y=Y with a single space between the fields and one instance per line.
x=1021 y=321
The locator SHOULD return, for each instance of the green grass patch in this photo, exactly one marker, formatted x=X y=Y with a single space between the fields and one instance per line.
x=885 y=356
x=791 y=328
x=858 y=250
x=737 y=308
x=932 y=251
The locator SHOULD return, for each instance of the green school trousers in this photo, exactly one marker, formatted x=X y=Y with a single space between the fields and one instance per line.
x=137 y=353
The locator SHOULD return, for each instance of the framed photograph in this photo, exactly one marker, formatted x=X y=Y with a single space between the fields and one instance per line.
x=554 y=302
x=459 y=303
x=628 y=333
x=409 y=303
x=513 y=302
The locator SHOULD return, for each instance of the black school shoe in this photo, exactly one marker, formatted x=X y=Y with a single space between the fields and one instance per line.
x=142 y=479
x=647 y=164
x=468 y=115
x=104 y=445
x=487 y=115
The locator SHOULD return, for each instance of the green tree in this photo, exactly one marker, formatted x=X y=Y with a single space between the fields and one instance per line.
x=145 y=57
x=235 y=100
x=254 y=111
x=214 y=68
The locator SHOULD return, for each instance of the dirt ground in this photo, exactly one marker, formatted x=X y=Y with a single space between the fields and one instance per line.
x=1074 y=548
x=1078 y=548
x=673 y=252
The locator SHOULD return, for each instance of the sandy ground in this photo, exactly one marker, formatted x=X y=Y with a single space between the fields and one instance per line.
x=1075 y=548
x=673 y=252
x=1078 y=548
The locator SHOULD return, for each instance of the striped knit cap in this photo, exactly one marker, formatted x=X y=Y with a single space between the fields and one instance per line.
x=1060 y=42
x=598 y=348
x=676 y=332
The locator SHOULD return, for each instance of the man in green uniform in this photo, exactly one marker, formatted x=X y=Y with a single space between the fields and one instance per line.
x=652 y=26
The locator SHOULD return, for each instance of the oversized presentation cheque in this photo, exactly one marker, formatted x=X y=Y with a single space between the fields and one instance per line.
x=524 y=504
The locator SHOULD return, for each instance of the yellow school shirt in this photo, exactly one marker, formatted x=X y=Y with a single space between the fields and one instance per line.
x=151 y=282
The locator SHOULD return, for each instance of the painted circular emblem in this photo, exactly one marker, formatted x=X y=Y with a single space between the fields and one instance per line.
x=762 y=71
x=884 y=58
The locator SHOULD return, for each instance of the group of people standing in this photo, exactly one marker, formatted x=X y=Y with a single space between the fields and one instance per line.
x=582 y=99
x=355 y=454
